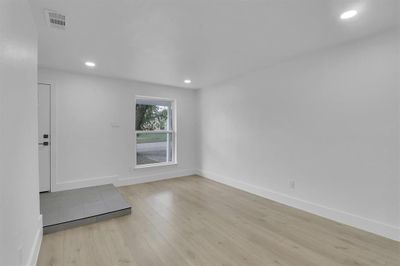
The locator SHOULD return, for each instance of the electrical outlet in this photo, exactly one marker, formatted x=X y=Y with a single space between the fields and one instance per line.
x=292 y=184
x=115 y=125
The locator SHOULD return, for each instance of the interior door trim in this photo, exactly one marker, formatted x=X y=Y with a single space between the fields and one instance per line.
x=53 y=186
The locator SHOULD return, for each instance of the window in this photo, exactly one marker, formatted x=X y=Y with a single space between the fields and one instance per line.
x=155 y=132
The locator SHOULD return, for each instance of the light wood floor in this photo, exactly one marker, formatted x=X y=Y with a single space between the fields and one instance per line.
x=195 y=221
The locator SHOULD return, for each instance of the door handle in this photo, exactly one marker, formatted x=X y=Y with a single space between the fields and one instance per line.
x=45 y=143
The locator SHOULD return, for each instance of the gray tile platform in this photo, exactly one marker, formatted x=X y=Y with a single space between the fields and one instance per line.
x=66 y=209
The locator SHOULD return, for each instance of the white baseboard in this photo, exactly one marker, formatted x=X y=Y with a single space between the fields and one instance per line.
x=87 y=182
x=363 y=223
x=121 y=181
x=34 y=254
x=150 y=178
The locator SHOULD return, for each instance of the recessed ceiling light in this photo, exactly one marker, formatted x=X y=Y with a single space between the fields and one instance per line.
x=349 y=14
x=90 y=64
x=187 y=81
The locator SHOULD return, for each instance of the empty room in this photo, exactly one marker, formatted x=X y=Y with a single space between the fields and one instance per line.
x=199 y=132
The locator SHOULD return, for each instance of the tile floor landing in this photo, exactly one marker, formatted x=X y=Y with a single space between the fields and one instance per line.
x=70 y=208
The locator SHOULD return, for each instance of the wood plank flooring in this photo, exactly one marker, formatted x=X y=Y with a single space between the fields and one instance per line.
x=195 y=221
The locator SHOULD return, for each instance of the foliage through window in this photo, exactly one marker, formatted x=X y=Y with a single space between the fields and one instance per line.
x=155 y=136
x=151 y=117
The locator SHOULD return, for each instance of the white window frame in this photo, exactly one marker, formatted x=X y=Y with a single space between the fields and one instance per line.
x=173 y=132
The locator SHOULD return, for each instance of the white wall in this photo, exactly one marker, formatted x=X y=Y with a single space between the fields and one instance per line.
x=327 y=120
x=89 y=150
x=20 y=221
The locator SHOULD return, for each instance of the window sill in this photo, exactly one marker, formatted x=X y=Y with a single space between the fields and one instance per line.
x=154 y=165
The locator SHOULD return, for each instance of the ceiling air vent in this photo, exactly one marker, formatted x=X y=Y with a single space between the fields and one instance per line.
x=55 y=19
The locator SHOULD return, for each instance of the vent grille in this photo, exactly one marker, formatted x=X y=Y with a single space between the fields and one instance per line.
x=55 y=19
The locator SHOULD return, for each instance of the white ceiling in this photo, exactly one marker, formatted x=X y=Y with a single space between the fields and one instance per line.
x=167 y=41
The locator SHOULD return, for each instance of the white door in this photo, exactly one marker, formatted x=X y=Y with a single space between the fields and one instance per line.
x=44 y=136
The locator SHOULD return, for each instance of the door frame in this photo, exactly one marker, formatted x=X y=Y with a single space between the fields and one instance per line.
x=52 y=135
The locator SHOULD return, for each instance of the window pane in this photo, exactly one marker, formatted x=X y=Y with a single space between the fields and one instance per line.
x=152 y=117
x=153 y=148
